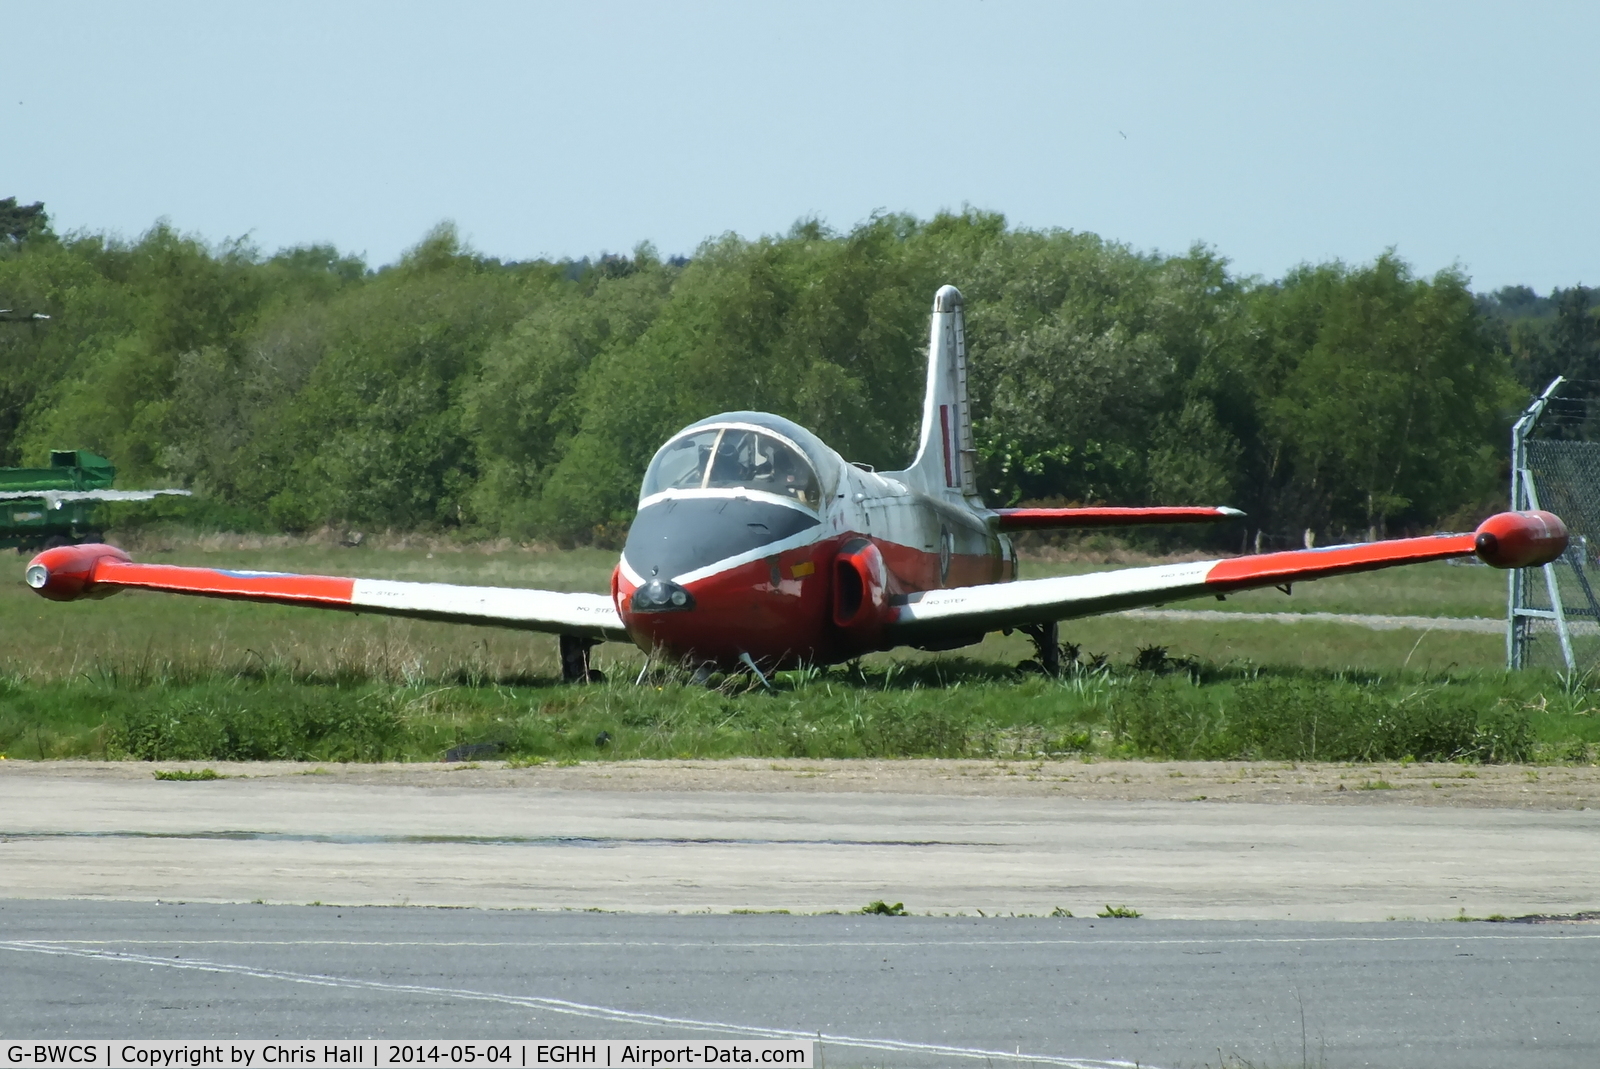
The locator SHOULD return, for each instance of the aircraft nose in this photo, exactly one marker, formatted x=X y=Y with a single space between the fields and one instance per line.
x=681 y=535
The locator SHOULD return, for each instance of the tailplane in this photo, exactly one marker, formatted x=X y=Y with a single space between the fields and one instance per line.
x=947 y=460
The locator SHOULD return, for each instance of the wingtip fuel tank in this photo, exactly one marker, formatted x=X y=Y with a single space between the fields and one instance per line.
x=66 y=573
x=1520 y=539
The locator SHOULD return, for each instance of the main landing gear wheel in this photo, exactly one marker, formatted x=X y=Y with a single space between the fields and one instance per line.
x=1046 y=646
x=575 y=660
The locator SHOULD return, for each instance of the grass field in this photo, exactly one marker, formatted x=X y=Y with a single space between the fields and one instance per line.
x=150 y=675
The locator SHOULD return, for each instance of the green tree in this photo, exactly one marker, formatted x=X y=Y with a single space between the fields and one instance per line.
x=20 y=222
x=375 y=434
x=1103 y=375
x=524 y=407
x=1384 y=396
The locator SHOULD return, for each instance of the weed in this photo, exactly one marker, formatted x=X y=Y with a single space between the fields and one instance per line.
x=1375 y=785
x=880 y=908
x=1059 y=912
x=1573 y=751
x=187 y=775
x=1119 y=911
x=1151 y=659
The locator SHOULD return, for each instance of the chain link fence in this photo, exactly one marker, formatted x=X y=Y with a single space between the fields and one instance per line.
x=1554 y=612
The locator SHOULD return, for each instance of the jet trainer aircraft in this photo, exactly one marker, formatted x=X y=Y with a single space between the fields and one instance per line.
x=757 y=545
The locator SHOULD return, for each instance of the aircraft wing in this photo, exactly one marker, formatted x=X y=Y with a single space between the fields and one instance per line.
x=1031 y=519
x=71 y=572
x=939 y=618
x=55 y=498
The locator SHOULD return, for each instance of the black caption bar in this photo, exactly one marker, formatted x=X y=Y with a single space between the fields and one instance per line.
x=382 y=1054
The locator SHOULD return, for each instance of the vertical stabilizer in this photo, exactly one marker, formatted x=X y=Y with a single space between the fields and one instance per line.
x=946 y=457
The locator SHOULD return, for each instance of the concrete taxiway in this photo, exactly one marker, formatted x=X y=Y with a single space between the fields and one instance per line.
x=68 y=832
x=874 y=990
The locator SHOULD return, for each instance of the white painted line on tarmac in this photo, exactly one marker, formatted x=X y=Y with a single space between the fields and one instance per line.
x=574 y=1009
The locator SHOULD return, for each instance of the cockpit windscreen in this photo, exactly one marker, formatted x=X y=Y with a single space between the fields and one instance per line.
x=733 y=458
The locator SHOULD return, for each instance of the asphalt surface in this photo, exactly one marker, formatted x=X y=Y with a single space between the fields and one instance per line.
x=307 y=838
x=878 y=990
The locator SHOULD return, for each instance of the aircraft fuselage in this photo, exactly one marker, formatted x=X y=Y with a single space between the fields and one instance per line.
x=786 y=575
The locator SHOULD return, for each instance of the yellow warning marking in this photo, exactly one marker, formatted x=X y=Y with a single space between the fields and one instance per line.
x=804 y=568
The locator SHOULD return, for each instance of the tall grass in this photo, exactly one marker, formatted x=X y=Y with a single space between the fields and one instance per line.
x=948 y=708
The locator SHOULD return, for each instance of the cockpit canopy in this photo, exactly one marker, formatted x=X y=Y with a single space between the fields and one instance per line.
x=733 y=457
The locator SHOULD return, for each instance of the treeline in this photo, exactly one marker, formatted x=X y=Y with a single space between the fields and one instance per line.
x=453 y=390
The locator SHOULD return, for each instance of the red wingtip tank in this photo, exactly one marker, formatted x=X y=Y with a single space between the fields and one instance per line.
x=66 y=573
x=1520 y=539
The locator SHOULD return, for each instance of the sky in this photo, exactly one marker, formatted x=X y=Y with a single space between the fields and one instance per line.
x=1461 y=134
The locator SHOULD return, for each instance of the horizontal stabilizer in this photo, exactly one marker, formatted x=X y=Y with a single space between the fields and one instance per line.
x=1034 y=519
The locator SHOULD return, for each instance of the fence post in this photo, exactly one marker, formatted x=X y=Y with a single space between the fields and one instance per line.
x=1525 y=496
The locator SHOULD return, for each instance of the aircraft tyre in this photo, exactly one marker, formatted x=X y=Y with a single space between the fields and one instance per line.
x=575 y=660
x=1047 y=646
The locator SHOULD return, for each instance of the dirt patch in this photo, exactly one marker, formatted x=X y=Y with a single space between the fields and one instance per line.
x=1494 y=786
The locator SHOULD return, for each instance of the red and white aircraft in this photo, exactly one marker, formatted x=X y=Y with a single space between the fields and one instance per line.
x=757 y=545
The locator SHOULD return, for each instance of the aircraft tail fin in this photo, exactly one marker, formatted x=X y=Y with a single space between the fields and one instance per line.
x=947 y=459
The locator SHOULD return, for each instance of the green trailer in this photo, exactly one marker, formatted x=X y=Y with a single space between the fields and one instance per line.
x=60 y=505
